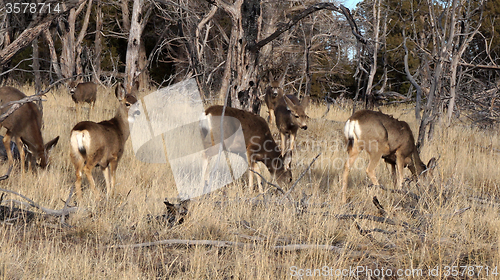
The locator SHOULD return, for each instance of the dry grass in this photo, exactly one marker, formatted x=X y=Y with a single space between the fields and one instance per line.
x=467 y=170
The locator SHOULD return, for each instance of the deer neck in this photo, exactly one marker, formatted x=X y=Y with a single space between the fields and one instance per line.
x=419 y=165
x=34 y=142
x=121 y=119
x=270 y=162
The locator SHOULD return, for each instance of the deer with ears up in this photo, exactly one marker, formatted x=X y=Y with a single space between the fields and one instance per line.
x=101 y=144
x=290 y=115
x=273 y=92
x=287 y=111
x=382 y=136
x=83 y=92
x=260 y=145
x=24 y=128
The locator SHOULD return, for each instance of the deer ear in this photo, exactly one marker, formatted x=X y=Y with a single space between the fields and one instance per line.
x=432 y=163
x=120 y=91
x=49 y=145
x=305 y=101
x=288 y=102
x=170 y=207
x=271 y=77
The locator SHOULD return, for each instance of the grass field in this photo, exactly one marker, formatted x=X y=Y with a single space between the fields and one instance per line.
x=453 y=229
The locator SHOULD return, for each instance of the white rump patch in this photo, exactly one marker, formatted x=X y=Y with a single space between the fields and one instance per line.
x=80 y=140
x=352 y=130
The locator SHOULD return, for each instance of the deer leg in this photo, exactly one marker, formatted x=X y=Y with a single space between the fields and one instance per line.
x=110 y=183
x=106 y=173
x=292 y=141
x=87 y=169
x=400 y=165
x=22 y=155
x=370 y=170
x=78 y=183
x=78 y=162
x=256 y=168
x=283 y=143
x=250 y=176
x=6 y=143
x=353 y=155
x=271 y=117
x=393 y=173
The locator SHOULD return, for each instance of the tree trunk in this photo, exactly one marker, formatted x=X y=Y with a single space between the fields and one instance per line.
x=137 y=24
x=97 y=42
x=241 y=70
x=125 y=15
x=373 y=69
x=53 y=54
x=25 y=38
x=79 y=41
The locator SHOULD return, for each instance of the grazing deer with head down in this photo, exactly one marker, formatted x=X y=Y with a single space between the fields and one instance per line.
x=382 y=136
x=260 y=145
x=83 y=93
x=24 y=128
x=101 y=144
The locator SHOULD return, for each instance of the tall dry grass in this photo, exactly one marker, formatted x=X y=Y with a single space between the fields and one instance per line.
x=433 y=236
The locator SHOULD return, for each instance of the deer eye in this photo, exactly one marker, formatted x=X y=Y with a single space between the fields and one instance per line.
x=296 y=116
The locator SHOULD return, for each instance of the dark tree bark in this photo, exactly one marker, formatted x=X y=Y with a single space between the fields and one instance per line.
x=26 y=37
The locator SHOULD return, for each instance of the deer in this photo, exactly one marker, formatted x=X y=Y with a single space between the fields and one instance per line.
x=100 y=144
x=24 y=129
x=273 y=92
x=83 y=93
x=259 y=144
x=290 y=115
x=287 y=111
x=382 y=136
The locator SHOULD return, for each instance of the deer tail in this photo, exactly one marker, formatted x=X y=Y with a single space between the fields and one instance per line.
x=80 y=141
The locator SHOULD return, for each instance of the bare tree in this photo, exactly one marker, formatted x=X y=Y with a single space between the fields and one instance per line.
x=134 y=61
x=241 y=77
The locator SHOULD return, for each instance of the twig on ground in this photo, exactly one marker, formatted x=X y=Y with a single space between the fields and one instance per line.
x=377 y=219
x=403 y=192
x=66 y=203
x=218 y=243
x=268 y=183
x=377 y=204
x=47 y=211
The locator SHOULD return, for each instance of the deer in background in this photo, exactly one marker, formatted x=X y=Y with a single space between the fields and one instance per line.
x=24 y=128
x=382 y=136
x=290 y=115
x=260 y=145
x=83 y=93
x=101 y=144
x=273 y=92
x=287 y=111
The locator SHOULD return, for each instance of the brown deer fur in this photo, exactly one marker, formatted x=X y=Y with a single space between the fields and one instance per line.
x=24 y=127
x=260 y=145
x=84 y=92
x=382 y=136
x=290 y=115
x=100 y=144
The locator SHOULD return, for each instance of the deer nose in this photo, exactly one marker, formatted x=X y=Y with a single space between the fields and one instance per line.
x=304 y=127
